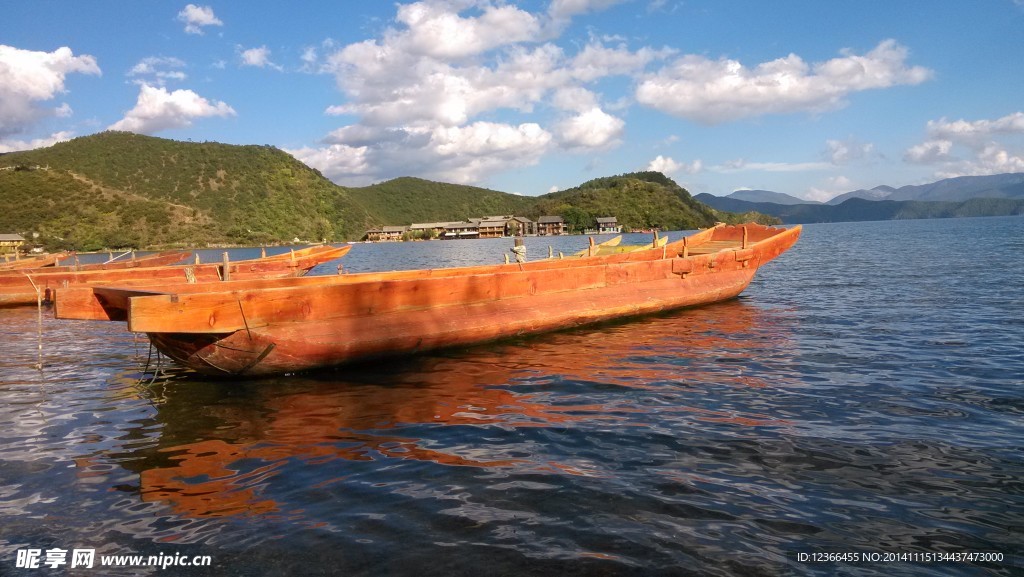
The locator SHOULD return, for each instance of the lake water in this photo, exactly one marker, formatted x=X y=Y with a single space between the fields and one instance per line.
x=864 y=396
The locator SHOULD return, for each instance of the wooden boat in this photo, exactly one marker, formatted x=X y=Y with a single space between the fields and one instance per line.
x=614 y=246
x=45 y=260
x=292 y=325
x=155 y=259
x=593 y=249
x=28 y=287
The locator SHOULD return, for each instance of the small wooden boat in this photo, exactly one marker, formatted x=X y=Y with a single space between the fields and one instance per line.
x=614 y=246
x=155 y=259
x=594 y=249
x=28 y=287
x=39 y=261
x=288 y=325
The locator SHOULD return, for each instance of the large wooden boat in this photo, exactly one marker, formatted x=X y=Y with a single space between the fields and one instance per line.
x=288 y=325
x=21 y=288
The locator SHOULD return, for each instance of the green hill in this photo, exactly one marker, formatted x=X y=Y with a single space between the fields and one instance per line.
x=407 y=200
x=118 y=189
x=169 y=192
x=639 y=200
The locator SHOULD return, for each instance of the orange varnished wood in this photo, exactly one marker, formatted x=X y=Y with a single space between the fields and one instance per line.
x=21 y=288
x=277 y=326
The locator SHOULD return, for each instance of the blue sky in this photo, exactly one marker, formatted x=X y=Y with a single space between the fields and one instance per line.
x=810 y=98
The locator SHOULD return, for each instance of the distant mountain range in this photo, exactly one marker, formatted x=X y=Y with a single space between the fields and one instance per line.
x=994 y=195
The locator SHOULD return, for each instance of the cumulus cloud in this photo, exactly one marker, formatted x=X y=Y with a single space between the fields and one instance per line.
x=971 y=148
x=463 y=154
x=445 y=70
x=157 y=109
x=597 y=60
x=669 y=166
x=197 y=17
x=564 y=9
x=832 y=187
x=714 y=91
x=258 y=57
x=29 y=78
x=444 y=65
x=16 y=145
x=433 y=29
x=592 y=129
x=978 y=131
x=845 y=151
x=157 y=70
x=929 y=152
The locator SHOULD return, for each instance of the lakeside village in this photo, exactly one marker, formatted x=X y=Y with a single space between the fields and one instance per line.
x=487 y=227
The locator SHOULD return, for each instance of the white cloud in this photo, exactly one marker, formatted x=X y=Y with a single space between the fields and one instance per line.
x=741 y=164
x=668 y=166
x=258 y=57
x=971 y=148
x=833 y=187
x=435 y=30
x=28 y=78
x=157 y=70
x=157 y=109
x=463 y=154
x=562 y=9
x=591 y=129
x=715 y=91
x=845 y=151
x=442 y=67
x=16 y=145
x=977 y=132
x=197 y=17
x=598 y=61
x=929 y=152
x=344 y=164
x=574 y=99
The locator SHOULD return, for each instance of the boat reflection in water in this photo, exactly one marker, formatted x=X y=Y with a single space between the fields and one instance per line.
x=228 y=449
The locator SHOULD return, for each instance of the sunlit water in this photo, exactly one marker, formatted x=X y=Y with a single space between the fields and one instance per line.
x=865 y=394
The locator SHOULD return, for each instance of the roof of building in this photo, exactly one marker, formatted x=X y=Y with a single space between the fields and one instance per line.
x=550 y=220
x=427 y=225
x=607 y=220
x=459 y=225
x=395 y=228
x=12 y=237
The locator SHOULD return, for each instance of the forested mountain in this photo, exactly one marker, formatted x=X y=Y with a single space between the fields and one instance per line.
x=114 y=188
x=119 y=189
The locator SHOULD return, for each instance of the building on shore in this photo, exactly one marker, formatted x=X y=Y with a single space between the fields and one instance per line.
x=11 y=242
x=386 y=233
x=461 y=230
x=488 y=227
x=551 y=225
x=608 y=224
x=427 y=230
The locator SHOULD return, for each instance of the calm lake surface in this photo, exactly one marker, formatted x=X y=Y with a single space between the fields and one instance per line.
x=864 y=395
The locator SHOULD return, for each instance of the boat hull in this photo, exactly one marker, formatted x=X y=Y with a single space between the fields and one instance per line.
x=22 y=288
x=299 y=346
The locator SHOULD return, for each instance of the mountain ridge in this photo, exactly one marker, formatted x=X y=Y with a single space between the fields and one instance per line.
x=120 y=189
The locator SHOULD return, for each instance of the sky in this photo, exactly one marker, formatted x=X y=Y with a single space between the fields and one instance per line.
x=812 y=98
